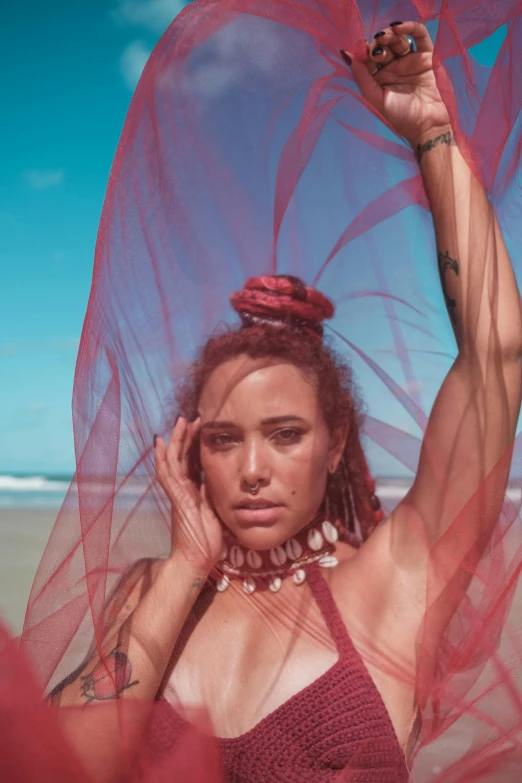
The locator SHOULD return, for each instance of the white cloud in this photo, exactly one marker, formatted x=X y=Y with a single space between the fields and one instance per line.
x=232 y=57
x=42 y=179
x=132 y=62
x=155 y=15
x=235 y=55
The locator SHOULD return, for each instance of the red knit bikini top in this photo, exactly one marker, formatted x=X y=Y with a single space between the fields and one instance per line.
x=338 y=721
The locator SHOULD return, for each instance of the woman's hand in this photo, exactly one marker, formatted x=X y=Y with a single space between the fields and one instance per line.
x=196 y=531
x=400 y=83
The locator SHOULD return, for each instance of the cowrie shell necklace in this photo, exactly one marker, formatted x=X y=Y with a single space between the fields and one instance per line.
x=258 y=569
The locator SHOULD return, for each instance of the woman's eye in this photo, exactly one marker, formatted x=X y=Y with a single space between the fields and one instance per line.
x=288 y=435
x=221 y=440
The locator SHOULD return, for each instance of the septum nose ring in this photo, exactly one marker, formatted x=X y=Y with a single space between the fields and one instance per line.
x=253 y=489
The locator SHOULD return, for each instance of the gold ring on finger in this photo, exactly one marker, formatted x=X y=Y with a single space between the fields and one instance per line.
x=408 y=49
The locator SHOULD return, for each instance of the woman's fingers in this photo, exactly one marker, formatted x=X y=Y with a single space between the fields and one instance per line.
x=367 y=85
x=160 y=451
x=175 y=489
x=161 y=464
x=192 y=430
x=206 y=502
x=404 y=68
x=417 y=31
x=167 y=460
x=380 y=54
x=177 y=439
x=396 y=40
x=398 y=45
x=184 y=446
x=171 y=460
x=386 y=59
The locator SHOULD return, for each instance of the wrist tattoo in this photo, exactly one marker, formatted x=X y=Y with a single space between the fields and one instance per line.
x=109 y=678
x=444 y=138
x=196 y=584
x=446 y=262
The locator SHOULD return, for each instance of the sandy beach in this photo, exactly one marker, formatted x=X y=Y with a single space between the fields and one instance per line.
x=23 y=536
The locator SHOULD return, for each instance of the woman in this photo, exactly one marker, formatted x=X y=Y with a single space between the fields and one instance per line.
x=315 y=607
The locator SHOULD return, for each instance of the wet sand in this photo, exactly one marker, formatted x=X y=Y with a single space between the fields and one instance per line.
x=23 y=535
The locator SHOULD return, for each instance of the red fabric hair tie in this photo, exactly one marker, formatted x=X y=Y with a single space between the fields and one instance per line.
x=284 y=300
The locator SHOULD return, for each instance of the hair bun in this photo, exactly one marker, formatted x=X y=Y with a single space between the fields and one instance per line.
x=282 y=298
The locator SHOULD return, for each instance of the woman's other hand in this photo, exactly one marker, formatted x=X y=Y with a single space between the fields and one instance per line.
x=399 y=82
x=196 y=530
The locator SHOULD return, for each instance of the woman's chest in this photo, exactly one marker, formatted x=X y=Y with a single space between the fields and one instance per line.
x=242 y=664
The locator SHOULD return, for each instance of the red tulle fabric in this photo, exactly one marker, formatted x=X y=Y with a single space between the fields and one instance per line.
x=248 y=152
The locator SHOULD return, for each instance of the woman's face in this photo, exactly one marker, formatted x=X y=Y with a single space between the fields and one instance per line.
x=261 y=424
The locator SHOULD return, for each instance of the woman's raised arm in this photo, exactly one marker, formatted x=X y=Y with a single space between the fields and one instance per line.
x=466 y=452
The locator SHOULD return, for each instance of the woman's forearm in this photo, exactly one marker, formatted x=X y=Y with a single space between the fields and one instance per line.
x=477 y=278
x=139 y=649
x=150 y=634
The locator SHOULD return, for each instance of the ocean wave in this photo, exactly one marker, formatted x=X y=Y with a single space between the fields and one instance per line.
x=31 y=484
x=389 y=491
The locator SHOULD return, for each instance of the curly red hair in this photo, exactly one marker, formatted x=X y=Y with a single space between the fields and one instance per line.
x=279 y=316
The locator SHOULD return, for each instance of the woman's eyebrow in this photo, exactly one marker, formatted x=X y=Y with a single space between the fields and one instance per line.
x=217 y=425
x=283 y=419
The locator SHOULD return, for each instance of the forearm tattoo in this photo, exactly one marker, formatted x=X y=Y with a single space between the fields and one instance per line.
x=444 y=138
x=109 y=678
x=445 y=263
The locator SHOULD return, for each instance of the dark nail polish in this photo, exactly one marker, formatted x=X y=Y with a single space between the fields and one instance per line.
x=379 y=35
x=392 y=24
x=346 y=57
x=377 y=51
x=155 y=439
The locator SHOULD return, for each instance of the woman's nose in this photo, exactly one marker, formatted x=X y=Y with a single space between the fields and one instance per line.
x=254 y=468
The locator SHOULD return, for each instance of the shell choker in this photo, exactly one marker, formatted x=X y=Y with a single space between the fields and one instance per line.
x=261 y=569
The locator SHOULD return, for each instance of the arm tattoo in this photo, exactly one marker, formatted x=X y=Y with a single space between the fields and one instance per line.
x=55 y=696
x=444 y=138
x=198 y=581
x=109 y=678
x=445 y=263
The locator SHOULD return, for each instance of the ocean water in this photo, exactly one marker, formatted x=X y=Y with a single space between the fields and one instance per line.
x=33 y=491
x=48 y=492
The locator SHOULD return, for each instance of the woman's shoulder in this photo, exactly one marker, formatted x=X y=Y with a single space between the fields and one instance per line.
x=373 y=552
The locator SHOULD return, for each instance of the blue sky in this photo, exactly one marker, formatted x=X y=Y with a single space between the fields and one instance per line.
x=69 y=72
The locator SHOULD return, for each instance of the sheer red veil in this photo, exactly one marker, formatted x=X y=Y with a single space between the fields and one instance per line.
x=248 y=150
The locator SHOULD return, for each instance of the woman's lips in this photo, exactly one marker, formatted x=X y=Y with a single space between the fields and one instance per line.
x=258 y=515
